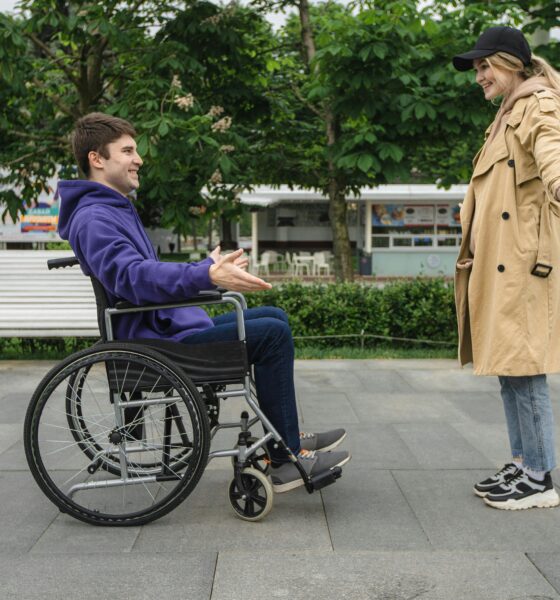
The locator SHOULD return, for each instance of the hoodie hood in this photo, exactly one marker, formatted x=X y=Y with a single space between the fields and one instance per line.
x=77 y=194
x=526 y=88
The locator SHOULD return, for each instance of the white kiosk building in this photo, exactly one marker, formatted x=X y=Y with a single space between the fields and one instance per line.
x=404 y=230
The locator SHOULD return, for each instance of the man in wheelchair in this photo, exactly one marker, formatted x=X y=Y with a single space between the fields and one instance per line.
x=107 y=236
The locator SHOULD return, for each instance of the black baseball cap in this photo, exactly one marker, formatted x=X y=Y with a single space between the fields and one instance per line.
x=495 y=39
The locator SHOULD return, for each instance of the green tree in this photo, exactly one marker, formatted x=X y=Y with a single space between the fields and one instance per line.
x=60 y=60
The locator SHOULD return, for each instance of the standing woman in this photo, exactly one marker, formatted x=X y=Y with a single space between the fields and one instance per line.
x=507 y=284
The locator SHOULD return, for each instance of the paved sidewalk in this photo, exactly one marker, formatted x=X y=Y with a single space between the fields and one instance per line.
x=401 y=523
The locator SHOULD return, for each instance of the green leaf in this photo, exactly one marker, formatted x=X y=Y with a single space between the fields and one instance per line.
x=419 y=110
x=365 y=162
x=142 y=144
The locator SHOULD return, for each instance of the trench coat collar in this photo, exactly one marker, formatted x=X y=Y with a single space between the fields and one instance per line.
x=497 y=149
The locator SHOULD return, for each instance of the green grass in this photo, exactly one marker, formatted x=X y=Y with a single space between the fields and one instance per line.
x=302 y=352
x=349 y=352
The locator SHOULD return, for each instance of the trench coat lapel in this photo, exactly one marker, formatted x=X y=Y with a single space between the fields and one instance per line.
x=496 y=150
x=492 y=152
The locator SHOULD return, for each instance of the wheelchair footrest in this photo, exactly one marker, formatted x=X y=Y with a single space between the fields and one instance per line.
x=325 y=478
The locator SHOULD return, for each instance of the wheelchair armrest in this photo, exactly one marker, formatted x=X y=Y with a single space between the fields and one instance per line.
x=203 y=297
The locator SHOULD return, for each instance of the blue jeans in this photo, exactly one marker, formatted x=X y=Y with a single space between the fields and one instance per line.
x=530 y=421
x=270 y=348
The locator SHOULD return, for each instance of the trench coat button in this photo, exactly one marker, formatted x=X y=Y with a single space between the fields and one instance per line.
x=501 y=268
x=511 y=162
x=505 y=216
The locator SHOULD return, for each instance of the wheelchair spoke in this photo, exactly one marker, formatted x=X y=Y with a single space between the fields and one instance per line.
x=103 y=460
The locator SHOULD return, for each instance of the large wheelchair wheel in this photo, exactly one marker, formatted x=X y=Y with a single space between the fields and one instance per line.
x=116 y=435
x=133 y=428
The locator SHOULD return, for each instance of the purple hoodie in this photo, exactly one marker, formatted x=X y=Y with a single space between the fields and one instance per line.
x=109 y=240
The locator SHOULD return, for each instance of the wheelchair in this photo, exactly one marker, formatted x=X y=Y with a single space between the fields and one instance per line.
x=119 y=434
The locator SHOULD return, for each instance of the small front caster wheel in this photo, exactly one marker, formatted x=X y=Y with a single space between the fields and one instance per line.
x=254 y=501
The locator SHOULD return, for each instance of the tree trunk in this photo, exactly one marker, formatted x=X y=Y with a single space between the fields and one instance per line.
x=210 y=226
x=227 y=242
x=336 y=187
x=338 y=209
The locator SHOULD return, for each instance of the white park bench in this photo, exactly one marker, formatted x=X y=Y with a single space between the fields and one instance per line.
x=36 y=302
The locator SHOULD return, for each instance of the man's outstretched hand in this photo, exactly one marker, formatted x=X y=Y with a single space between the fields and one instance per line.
x=229 y=272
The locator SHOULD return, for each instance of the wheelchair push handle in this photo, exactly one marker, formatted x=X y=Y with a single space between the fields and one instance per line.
x=60 y=263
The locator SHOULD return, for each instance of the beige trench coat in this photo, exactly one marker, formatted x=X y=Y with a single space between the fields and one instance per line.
x=509 y=318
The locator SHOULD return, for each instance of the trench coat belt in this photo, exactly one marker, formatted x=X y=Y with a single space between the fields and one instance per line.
x=543 y=266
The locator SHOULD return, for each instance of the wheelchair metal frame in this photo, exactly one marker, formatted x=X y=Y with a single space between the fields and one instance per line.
x=243 y=452
x=116 y=457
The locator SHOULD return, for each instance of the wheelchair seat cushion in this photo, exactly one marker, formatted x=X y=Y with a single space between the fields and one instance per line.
x=216 y=362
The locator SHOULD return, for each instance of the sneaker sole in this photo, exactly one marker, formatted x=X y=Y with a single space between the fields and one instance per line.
x=479 y=493
x=292 y=485
x=548 y=499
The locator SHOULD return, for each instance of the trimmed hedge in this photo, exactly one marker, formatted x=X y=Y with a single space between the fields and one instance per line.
x=421 y=309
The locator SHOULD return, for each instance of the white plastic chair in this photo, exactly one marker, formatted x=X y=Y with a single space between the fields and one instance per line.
x=320 y=264
x=263 y=264
x=302 y=263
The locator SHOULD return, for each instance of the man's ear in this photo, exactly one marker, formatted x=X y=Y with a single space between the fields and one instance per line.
x=95 y=160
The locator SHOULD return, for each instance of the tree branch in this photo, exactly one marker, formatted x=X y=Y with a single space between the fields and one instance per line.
x=36 y=137
x=56 y=100
x=20 y=158
x=306 y=102
x=42 y=46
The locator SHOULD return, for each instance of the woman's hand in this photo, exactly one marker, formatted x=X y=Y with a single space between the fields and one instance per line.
x=464 y=264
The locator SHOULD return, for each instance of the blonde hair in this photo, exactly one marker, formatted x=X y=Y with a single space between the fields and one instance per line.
x=538 y=67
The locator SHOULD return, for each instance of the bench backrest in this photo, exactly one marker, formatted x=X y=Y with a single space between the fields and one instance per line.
x=36 y=302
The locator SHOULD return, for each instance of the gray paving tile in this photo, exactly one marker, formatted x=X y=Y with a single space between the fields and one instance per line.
x=101 y=576
x=67 y=535
x=26 y=512
x=454 y=518
x=490 y=439
x=376 y=445
x=335 y=378
x=13 y=407
x=13 y=457
x=327 y=408
x=481 y=407
x=384 y=381
x=367 y=511
x=380 y=576
x=206 y=522
x=374 y=407
x=548 y=564
x=440 y=446
x=449 y=381
x=9 y=435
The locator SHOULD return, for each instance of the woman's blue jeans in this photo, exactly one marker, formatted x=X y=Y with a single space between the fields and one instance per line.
x=270 y=348
x=530 y=421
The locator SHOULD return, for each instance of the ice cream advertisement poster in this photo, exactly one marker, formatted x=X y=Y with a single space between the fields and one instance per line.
x=40 y=219
x=403 y=215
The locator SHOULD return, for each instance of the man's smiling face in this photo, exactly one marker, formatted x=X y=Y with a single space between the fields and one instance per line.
x=120 y=170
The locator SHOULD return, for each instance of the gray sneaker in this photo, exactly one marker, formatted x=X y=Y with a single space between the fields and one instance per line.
x=321 y=442
x=286 y=477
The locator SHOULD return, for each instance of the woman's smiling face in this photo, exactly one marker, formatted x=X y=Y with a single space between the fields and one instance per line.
x=492 y=85
x=486 y=79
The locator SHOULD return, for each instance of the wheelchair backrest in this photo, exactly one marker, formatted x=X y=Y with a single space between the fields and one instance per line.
x=102 y=302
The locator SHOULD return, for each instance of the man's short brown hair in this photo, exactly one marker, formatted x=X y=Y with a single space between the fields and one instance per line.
x=93 y=133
